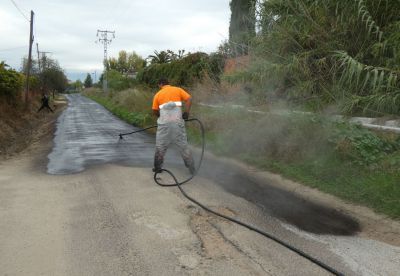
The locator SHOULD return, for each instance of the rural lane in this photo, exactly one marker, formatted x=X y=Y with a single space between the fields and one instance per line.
x=86 y=204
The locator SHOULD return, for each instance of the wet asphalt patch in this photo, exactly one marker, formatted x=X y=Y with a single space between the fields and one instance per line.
x=87 y=134
x=295 y=210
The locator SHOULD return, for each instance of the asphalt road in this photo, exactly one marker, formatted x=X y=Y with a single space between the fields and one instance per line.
x=92 y=208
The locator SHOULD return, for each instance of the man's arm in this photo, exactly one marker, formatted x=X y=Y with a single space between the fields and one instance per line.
x=155 y=107
x=156 y=113
x=188 y=105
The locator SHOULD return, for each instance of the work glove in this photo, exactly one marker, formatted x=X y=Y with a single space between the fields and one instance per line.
x=185 y=115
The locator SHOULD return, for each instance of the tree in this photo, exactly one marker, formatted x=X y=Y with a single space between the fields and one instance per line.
x=54 y=80
x=161 y=57
x=126 y=63
x=185 y=71
x=88 y=81
x=176 y=56
x=75 y=86
x=225 y=49
x=333 y=52
x=242 y=25
x=10 y=82
x=52 y=77
x=117 y=81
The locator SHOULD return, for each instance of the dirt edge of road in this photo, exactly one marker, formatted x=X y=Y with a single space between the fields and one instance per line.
x=27 y=130
x=373 y=225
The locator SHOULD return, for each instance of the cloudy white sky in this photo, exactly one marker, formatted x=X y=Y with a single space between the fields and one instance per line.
x=68 y=28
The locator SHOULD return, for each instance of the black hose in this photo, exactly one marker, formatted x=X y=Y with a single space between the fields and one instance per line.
x=136 y=131
x=201 y=157
x=198 y=166
x=248 y=226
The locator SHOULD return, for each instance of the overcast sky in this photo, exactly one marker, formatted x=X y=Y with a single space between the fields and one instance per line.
x=67 y=28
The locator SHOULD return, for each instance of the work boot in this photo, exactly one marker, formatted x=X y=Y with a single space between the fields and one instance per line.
x=157 y=170
x=192 y=169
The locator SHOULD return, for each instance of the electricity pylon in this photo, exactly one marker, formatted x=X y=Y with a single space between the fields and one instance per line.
x=103 y=38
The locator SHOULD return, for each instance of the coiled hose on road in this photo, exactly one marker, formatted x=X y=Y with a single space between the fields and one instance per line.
x=248 y=226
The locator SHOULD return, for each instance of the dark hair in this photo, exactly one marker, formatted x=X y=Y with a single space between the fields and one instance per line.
x=163 y=81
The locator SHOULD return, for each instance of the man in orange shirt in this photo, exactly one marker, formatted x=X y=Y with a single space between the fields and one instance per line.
x=167 y=106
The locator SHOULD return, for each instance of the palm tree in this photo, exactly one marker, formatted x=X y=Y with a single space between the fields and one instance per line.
x=160 y=57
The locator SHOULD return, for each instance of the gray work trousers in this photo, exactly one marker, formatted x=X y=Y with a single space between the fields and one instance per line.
x=172 y=133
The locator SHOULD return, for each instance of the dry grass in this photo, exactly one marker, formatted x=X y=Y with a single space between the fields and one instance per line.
x=18 y=125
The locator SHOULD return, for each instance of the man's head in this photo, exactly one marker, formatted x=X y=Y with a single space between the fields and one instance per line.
x=162 y=82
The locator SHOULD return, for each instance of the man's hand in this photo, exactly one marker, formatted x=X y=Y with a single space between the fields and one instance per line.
x=185 y=115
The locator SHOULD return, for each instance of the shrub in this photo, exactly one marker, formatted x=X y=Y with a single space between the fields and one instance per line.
x=116 y=80
x=360 y=145
x=184 y=71
x=10 y=82
x=328 y=52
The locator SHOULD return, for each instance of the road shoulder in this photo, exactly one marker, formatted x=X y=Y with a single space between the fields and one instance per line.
x=373 y=225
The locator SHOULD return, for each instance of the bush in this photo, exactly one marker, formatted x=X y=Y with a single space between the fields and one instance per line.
x=296 y=137
x=360 y=145
x=185 y=71
x=117 y=81
x=10 y=83
x=132 y=105
x=328 y=52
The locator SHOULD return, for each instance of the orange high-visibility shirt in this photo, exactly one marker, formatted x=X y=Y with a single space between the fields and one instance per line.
x=169 y=93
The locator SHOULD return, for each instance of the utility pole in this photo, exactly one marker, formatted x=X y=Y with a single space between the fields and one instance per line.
x=103 y=38
x=28 y=69
x=95 y=73
x=44 y=58
x=38 y=57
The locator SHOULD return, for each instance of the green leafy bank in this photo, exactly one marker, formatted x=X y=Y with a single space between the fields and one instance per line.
x=130 y=105
x=339 y=158
x=10 y=83
x=317 y=53
x=184 y=71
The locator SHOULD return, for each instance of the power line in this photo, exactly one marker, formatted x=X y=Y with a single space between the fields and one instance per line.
x=121 y=13
x=15 y=4
x=34 y=32
x=38 y=55
x=113 y=11
x=11 y=49
x=42 y=65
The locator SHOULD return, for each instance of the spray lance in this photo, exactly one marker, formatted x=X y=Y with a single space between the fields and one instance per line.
x=250 y=227
x=121 y=135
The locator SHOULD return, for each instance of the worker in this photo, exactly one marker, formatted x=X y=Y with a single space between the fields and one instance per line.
x=167 y=106
x=45 y=103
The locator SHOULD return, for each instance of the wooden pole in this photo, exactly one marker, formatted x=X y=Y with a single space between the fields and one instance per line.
x=28 y=67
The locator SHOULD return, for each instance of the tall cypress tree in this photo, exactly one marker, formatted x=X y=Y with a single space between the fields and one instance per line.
x=88 y=81
x=242 y=25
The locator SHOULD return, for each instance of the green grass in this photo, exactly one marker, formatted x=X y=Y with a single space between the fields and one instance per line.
x=378 y=190
x=139 y=119
x=336 y=158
